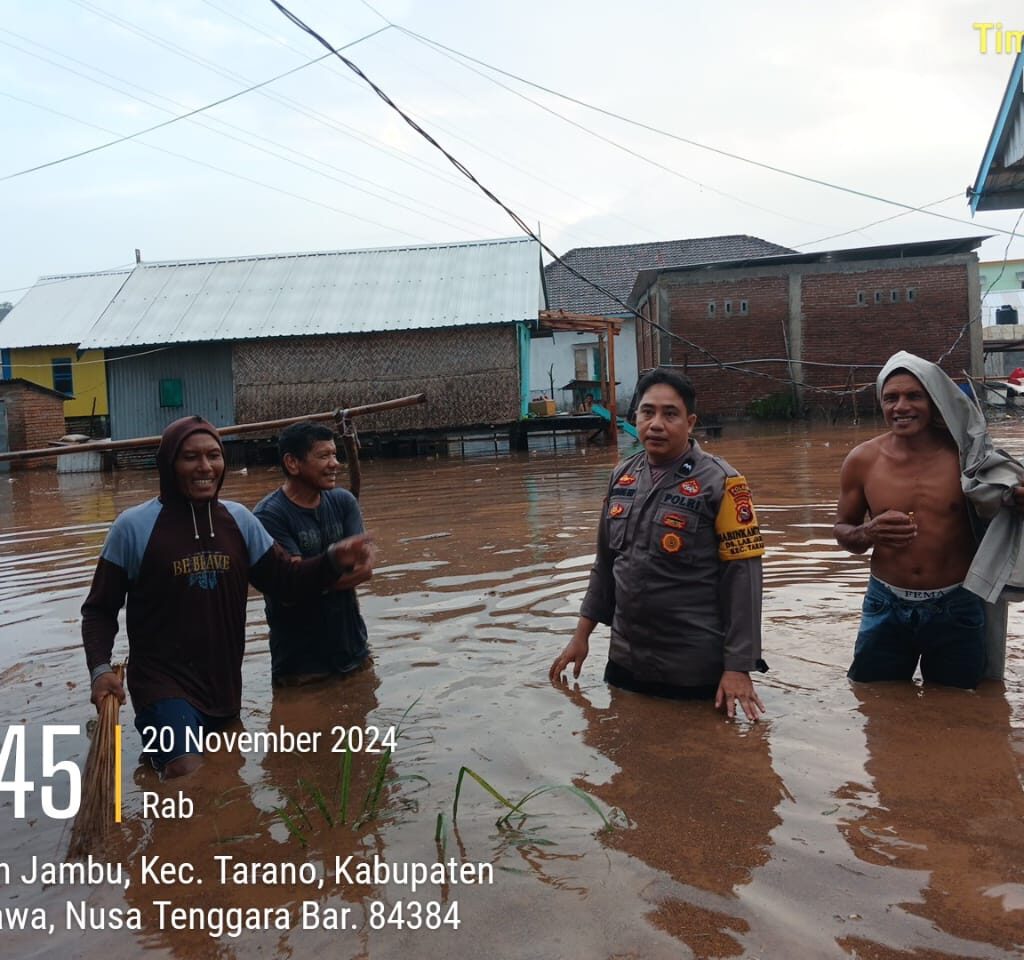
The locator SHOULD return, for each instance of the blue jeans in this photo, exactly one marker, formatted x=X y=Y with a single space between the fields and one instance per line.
x=947 y=634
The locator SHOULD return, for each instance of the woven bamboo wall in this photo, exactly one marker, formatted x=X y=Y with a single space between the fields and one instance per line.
x=469 y=374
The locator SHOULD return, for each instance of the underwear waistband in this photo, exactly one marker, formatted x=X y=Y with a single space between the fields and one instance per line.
x=917 y=595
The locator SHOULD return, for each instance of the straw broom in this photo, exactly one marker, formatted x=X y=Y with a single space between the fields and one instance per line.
x=96 y=810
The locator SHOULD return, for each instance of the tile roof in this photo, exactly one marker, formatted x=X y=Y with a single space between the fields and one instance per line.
x=616 y=267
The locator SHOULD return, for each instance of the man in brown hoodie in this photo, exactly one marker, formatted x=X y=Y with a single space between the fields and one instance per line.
x=182 y=564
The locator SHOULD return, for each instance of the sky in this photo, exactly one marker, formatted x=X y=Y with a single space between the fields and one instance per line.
x=894 y=99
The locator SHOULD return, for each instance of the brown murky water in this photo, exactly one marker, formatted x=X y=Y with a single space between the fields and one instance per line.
x=877 y=822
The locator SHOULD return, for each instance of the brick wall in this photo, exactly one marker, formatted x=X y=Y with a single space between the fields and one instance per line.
x=849 y=314
x=34 y=419
x=729 y=336
x=920 y=309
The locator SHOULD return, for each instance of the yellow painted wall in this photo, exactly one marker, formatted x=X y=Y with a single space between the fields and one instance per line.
x=88 y=376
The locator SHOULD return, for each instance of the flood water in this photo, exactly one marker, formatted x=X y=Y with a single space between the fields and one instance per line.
x=879 y=821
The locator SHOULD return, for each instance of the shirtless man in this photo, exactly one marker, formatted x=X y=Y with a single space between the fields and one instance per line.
x=900 y=496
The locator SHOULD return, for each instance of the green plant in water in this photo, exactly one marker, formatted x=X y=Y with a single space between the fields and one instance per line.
x=516 y=809
x=295 y=816
x=776 y=406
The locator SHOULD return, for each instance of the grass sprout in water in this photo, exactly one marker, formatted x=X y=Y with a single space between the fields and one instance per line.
x=515 y=816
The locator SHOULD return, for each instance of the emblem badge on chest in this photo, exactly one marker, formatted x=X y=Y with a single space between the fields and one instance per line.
x=616 y=510
x=626 y=480
x=690 y=487
x=671 y=543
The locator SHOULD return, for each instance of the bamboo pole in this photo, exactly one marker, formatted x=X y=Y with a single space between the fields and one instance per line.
x=265 y=425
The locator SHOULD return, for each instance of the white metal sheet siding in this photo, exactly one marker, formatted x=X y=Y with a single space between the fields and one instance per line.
x=59 y=310
x=358 y=291
x=1013 y=151
x=133 y=386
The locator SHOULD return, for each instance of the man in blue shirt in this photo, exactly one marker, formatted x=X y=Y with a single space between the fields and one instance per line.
x=324 y=637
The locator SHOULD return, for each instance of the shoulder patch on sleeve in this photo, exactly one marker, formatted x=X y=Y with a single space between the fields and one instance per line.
x=129 y=535
x=257 y=540
x=739 y=536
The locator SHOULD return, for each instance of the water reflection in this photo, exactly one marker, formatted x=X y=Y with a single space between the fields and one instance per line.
x=872 y=822
x=700 y=794
x=944 y=799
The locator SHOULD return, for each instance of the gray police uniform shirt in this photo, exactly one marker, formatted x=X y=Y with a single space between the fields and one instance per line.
x=678 y=572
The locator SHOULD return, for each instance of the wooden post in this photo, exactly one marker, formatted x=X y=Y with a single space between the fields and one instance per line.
x=612 y=402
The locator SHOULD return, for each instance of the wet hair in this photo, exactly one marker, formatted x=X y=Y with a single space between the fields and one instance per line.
x=679 y=382
x=299 y=438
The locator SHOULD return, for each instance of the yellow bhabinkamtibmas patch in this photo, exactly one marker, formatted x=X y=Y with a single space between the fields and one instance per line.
x=739 y=536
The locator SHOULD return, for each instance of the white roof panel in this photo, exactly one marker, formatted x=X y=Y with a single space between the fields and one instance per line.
x=59 y=310
x=357 y=291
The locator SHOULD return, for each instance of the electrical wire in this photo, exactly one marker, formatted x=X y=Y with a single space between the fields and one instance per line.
x=636 y=154
x=977 y=317
x=190 y=115
x=875 y=223
x=520 y=223
x=526 y=229
x=566 y=228
x=225 y=171
x=910 y=208
x=167 y=123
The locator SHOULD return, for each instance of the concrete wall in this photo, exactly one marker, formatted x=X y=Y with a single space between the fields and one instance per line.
x=558 y=351
x=1000 y=276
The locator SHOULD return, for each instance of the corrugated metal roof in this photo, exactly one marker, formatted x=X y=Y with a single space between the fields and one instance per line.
x=356 y=291
x=59 y=310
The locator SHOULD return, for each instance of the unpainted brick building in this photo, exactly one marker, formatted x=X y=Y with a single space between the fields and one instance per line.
x=35 y=416
x=791 y=328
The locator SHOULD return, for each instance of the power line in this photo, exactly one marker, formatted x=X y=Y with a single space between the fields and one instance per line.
x=977 y=319
x=167 y=123
x=735 y=367
x=523 y=226
x=910 y=208
x=230 y=173
x=614 y=143
x=279 y=99
x=875 y=223
x=190 y=115
x=566 y=228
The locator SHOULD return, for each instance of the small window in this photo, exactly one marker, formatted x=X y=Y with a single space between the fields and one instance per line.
x=744 y=307
x=62 y=379
x=171 y=393
x=861 y=299
x=894 y=296
x=878 y=296
x=728 y=306
x=711 y=308
x=911 y=294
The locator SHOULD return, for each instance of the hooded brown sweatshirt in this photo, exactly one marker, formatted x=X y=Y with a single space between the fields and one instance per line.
x=183 y=570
